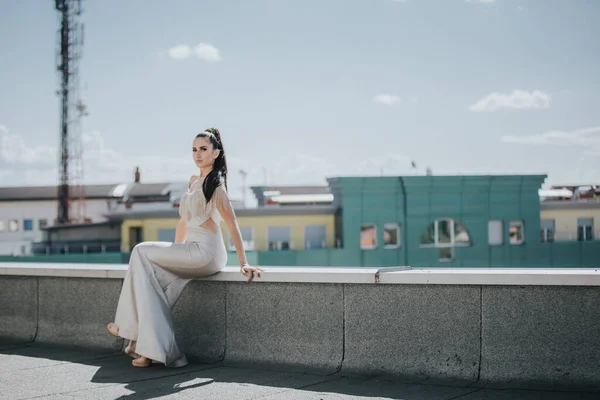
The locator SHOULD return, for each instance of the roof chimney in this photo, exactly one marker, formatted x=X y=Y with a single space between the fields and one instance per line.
x=137 y=175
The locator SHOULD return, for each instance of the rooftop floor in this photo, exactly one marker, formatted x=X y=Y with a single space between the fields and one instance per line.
x=62 y=374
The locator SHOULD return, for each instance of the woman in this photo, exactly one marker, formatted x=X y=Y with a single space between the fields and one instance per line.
x=159 y=271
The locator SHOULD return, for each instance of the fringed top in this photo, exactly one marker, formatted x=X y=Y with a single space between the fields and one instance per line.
x=196 y=211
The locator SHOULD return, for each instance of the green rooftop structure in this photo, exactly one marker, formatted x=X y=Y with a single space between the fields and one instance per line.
x=439 y=221
x=449 y=221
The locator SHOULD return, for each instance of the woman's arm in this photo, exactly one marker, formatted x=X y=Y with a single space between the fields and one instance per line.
x=180 y=231
x=228 y=215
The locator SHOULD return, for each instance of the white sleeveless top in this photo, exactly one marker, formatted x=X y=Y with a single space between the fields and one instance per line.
x=194 y=208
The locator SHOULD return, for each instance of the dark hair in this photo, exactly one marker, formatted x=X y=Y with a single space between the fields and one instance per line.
x=218 y=175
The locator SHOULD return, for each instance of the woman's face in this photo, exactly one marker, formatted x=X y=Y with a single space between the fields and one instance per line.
x=203 y=152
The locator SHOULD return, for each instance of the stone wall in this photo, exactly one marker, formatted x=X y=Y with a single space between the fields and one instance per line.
x=405 y=325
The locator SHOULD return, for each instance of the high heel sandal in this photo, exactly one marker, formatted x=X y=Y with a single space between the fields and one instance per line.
x=113 y=329
x=130 y=350
x=138 y=362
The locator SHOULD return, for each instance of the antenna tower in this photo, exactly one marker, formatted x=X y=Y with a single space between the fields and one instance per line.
x=70 y=44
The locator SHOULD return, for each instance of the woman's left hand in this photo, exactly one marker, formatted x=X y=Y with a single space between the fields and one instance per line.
x=249 y=272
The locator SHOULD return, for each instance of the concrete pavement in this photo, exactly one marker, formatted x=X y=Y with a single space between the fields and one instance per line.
x=58 y=373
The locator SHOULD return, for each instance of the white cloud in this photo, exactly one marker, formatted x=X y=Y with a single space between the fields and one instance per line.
x=28 y=164
x=14 y=150
x=180 y=52
x=207 y=52
x=387 y=99
x=203 y=51
x=21 y=164
x=517 y=99
x=297 y=168
x=589 y=137
x=481 y=1
x=31 y=165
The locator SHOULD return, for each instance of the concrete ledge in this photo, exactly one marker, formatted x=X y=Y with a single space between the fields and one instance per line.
x=301 y=275
x=495 y=276
x=18 y=309
x=418 y=333
x=541 y=337
x=200 y=321
x=291 y=325
x=388 y=275
x=481 y=327
x=74 y=312
x=65 y=270
x=228 y=274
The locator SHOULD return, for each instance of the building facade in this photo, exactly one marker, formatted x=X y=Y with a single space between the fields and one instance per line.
x=25 y=212
x=570 y=220
x=421 y=221
x=28 y=214
x=417 y=221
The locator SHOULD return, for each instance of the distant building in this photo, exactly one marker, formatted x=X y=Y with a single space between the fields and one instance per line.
x=292 y=195
x=421 y=221
x=570 y=220
x=570 y=212
x=28 y=214
x=26 y=211
x=581 y=192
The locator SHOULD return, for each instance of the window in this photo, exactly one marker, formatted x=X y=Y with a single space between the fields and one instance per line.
x=515 y=232
x=495 y=232
x=585 y=229
x=1 y=226
x=247 y=238
x=368 y=236
x=547 y=230
x=42 y=223
x=279 y=238
x=13 y=225
x=391 y=236
x=136 y=235
x=445 y=232
x=27 y=224
x=445 y=254
x=315 y=236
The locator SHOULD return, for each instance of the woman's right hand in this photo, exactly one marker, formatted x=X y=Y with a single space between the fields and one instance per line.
x=249 y=271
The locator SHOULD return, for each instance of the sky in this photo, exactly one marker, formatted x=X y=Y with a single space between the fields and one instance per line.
x=305 y=90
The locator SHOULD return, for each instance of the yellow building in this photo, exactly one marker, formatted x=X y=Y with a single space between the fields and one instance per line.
x=570 y=220
x=263 y=229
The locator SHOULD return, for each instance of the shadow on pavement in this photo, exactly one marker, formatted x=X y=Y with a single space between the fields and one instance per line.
x=93 y=374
